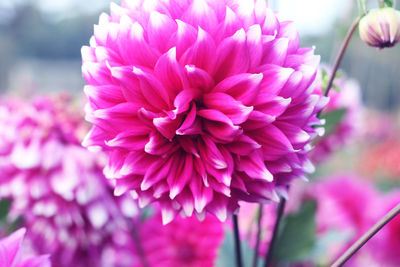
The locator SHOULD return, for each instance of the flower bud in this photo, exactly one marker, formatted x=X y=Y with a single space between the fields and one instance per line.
x=380 y=27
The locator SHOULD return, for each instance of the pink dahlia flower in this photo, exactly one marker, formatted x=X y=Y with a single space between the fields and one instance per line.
x=56 y=185
x=11 y=253
x=348 y=100
x=200 y=103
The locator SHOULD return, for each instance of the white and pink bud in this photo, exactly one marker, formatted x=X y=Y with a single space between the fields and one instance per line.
x=381 y=27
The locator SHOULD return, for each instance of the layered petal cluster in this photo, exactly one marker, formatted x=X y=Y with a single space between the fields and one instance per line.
x=11 y=253
x=200 y=103
x=56 y=185
x=184 y=242
x=345 y=103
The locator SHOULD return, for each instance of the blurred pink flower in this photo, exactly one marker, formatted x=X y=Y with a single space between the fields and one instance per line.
x=349 y=127
x=184 y=242
x=385 y=246
x=56 y=185
x=346 y=207
x=200 y=103
x=11 y=253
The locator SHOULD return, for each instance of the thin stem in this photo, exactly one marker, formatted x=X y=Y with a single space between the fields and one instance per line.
x=367 y=236
x=238 y=250
x=279 y=214
x=259 y=218
x=381 y=3
x=341 y=53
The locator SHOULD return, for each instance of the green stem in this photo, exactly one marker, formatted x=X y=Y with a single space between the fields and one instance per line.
x=341 y=54
x=279 y=215
x=259 y=227
x=238 y=250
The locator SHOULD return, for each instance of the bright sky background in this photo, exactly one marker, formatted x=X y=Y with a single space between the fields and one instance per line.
x=311 y=16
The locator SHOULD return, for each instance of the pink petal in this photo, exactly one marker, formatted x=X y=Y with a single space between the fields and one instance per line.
x=235 y=110
x=160 y=29
x=232 y=56
x=243 y=87
x=202 y=53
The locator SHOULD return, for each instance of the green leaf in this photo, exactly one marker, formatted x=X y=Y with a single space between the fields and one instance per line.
x=4 y=208
x=389 y=3
x=332 y=118
x=296 y=239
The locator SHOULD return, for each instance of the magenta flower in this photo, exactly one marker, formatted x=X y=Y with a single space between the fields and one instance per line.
x=56 y=185
x=11 y=253
x=347 y=100
x=184 y=242
x=385 y=246
x=200 y=104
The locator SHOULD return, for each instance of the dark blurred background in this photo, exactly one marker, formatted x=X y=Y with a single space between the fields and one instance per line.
x=40 y=43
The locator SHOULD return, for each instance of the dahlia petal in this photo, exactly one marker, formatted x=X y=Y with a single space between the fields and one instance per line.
x=230 y=25
x=95 y=137
x=254 y=44
x=218 y=207
x=167 y=126
x=200 y=14
x=38 y=261
x=244 y=145
x=202 y=195
x=158 y=145
x=104 y=96
x=189 y=145
x=130 y=86
x=274 y=78
x=182 y=174
x=191 y=124
x=132 y=35
x=87 y=54
x=275 y=51
x=135 y=163
x=171 y=73
x=152 y=89
x=297 y=136
x=202 y=53
x=271 y=105
x=225 y=103
x=96 y=73
x=186 y=35
x=160 y=29
x=133 y=139
x=243 y=87
x=288 y=30
x=198 y=78
x=219 y=125
x=232 y=56
x=10 y=247
x=155 y=172
x=185 y=198
x=271 y=24
x=184 y=98
x=254 y=167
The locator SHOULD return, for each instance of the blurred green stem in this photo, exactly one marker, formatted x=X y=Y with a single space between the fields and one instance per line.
x=238 y=250
x=279 y=215
x=367 y=236
x=362 y=7
x=259 y=218
x=341 y=54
